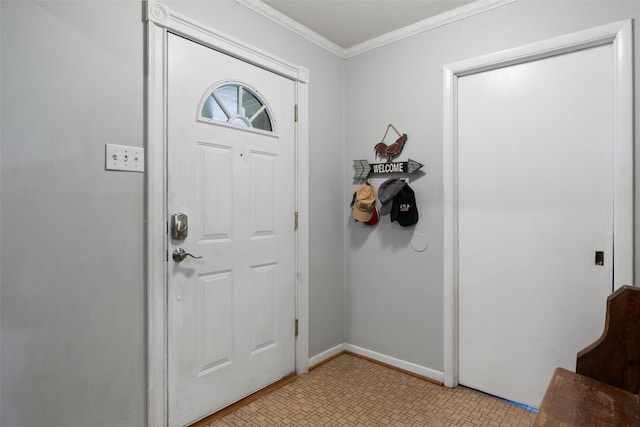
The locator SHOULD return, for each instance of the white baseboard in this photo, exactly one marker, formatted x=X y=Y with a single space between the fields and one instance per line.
x=327 y=354
x=383 y=358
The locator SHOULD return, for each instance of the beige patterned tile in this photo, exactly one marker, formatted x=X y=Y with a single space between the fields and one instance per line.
x=350 y=391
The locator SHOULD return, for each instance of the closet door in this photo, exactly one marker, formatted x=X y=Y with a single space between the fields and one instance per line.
x=535 y=159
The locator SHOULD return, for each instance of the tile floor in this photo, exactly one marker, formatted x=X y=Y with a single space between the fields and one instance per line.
x=351 y=391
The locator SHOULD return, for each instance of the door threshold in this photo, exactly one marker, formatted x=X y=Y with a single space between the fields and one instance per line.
x=244 y=402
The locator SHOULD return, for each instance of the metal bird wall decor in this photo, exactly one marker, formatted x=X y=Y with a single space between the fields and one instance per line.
x=390 y=151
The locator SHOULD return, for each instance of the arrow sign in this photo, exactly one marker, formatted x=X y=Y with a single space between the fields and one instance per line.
x=364 y=168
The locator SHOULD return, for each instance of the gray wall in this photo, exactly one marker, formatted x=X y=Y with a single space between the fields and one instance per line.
x=394 y=294
x=72 y=312
x=72 y=308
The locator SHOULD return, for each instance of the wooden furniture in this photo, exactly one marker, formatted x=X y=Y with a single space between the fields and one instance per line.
x=604 y=389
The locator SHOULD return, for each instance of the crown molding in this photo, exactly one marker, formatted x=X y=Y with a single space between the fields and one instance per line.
x=293 y=26
x=457 y=14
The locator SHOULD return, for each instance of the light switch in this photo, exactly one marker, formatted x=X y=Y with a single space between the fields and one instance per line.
x=124 y=158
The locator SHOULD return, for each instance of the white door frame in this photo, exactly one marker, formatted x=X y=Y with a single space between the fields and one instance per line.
x=160 y=21
x=620 y=35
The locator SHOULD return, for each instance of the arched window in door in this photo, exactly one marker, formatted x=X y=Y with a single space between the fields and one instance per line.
x=236 y=104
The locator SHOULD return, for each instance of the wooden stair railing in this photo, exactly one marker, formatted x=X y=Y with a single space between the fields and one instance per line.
x=604 y=389
x=615 y=357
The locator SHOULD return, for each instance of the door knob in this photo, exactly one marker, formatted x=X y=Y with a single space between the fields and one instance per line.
x=179 y=255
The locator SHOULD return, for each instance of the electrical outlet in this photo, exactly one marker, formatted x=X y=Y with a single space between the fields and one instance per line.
x=123 y=158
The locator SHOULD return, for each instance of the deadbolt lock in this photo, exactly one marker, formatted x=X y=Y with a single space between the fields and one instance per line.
x=179 y=226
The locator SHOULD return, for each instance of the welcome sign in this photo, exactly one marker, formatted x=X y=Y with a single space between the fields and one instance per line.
x=364 y=168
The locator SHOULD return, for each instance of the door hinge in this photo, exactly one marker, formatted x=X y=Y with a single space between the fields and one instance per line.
x=295 y=113
x=296 y=327
x=295 y=221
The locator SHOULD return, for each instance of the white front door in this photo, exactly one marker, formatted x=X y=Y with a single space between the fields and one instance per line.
x=231 y=313
x=535 y=189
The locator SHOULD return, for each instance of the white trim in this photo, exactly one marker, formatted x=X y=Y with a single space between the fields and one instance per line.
x=160 y=20
x=445 y=18
x=383 y=358
x=292 y=25
x=450 y=207
x=448 y=17
x=327 y=354
x=398 y=363
x=156 y=244
x=302 y=234
x=620 y=34
x=162 y=16
x=623 y=198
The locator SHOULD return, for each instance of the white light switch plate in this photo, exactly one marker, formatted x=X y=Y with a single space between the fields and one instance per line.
x=124 y=158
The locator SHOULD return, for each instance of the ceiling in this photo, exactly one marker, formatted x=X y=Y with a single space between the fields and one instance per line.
x=350 y=22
